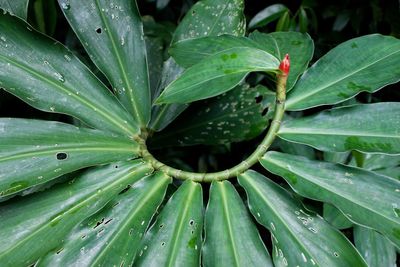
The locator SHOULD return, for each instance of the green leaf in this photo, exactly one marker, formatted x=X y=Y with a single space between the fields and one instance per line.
x=335 y=217
x=295 y=149
x=112 y=236
x=163 y=115
x=175 y=238
x=367 y=128
x=283 y=22
x=375 y=248
x=303 y=20
x=376 y=162
x=191 y=51
x=231 y=117
x=47 y=76
x=366 y=63
x=18 y=8
x=267 y=15
x=366 y=198
x=33 y=152
x=299 y=237
x=299 y=46
x=218 y=73
x=112 y=34
x=228 y=222
x=36 y=224
x=226 y=18
x=212 y=18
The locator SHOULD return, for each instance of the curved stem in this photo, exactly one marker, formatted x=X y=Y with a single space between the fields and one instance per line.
x=245 y=164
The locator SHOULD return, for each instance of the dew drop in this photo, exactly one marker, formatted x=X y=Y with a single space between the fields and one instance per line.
x=59 y=77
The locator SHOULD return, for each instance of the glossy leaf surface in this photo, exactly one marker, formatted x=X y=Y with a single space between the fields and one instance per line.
x=366 y=63
x=33 y=152
x=47 y=76
x=217 y=74
x=267 y=15
x=175 y=238
x=228 y=222
x=112 y=34
x=192 y=26
x=37 y=224
x=367 y=128
x=212 y=18
x=365 y=197
x=17 y=7
x=112 y=236
x=335 y=217
x=299 y=237
x=374 y=247
x=231 y=117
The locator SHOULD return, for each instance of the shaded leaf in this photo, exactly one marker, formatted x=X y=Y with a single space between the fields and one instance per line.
x=175 y=238
x=374 y=247
x=228 y=222
x=336 y=218
x=112 y=34
x=112 y=236
x=33 y=152
x=218 y=73
x=18 y=8
x=283 y=22
x=299 y=237
x=367 y=63
x=37 y=224
x=231 y=117
x=267 y=15
x=47 y=76
x=192 y=26
x=367 y=128
x=212 y=18
x=365 y=197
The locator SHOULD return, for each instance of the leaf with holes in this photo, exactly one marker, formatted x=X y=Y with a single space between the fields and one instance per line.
x=37 y=224
x=112 y=235
x=367 y=63
x=367 y=128
x=366 y=198
x=238 y=115
x=175 y=238
x=47 y=76
x=228 y=222
x=299 y=236
x=112 y=34
x=219 y=73
x=33 y=152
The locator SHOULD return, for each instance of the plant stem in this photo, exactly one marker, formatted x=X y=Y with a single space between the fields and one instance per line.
x=245 y=164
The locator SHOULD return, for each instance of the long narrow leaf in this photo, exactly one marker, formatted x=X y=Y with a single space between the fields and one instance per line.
x=365 y=197
x=112 y=34
x=228 y=222
x=112 y=236
x=299 y=237
x=47 y=76
x=175 y=237
x=33 y=152
x=35 y=225
x=367 y=128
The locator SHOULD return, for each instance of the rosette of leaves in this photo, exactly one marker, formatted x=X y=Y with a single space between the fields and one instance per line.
x=91 y=194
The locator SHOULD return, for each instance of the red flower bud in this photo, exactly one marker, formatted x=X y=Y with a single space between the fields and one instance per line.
x=285 y=65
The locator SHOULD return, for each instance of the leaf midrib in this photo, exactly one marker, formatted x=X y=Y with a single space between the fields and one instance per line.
x=304 y=95
x=277 y=214
x=136 y=111
x=134 y=169
x=81 y=99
